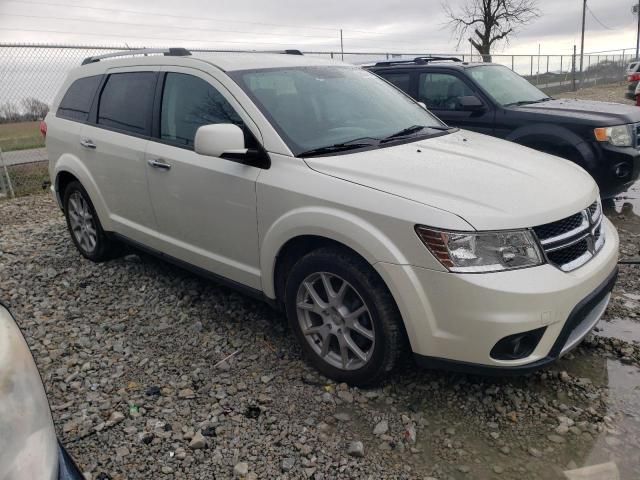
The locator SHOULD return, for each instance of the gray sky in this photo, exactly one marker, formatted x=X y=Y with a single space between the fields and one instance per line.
x=379 y=26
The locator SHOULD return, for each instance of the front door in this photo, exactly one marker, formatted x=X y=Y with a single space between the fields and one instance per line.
x=441 y=92
x=205 y=207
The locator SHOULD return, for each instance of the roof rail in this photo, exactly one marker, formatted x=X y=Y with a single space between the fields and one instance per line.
x=168 y=52
x=418 y=61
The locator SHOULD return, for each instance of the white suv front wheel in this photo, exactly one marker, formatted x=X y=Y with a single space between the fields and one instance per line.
x=344 y=317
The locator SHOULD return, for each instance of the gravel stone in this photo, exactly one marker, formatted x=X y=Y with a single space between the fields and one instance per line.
x=356 y=449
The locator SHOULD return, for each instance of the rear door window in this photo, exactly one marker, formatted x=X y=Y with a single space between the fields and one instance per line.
x=189 y=102
x=126 y=102
x=76 y=103
x=441 y=91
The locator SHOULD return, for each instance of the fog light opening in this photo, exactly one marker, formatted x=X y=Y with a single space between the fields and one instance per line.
x=622 y=170
x=518 y=346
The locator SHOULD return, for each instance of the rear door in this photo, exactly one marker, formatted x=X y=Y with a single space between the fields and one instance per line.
x=205 y=206
x=440 y=90
x=115 y=144
x=70 y=117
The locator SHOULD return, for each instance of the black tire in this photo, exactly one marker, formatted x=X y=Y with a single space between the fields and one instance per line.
x=390 y=343
x=104 y=247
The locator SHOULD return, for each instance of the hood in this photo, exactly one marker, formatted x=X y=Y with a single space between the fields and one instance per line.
x=602 y=114
x=493 y=184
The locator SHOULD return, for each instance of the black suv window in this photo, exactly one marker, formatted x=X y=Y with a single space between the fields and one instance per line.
x=76 y=103
x=441 y=91
x=126 y=102
x=400 y=80
x=188 y=103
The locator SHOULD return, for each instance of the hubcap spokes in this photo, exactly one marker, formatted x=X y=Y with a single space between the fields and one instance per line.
x=82 y=222
x=336 y=322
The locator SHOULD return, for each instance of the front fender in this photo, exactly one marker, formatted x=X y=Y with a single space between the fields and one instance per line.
x=557 y=136
x=72 y=164
x=340 y=226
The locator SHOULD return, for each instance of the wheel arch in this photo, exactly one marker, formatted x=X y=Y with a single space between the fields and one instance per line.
x=556 y=140
x=304 y=230
x=69 y=168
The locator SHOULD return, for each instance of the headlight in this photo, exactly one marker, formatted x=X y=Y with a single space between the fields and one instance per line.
x=28 y=445
x=619 y=136
x=464 y=252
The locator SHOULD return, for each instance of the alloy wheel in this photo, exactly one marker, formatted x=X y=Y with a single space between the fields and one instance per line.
x=83 y=225
x=335 y=321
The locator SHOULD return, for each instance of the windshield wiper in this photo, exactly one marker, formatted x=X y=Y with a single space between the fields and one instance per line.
x=414 y=129
x=338 y=147
x=527 y=102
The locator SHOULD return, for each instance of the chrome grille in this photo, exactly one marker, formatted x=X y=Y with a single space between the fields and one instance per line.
x=573 y=241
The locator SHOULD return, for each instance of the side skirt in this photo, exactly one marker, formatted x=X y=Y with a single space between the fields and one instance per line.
x=201 y=272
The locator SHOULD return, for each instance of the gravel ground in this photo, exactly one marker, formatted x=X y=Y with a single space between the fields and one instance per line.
x=604 y=93
x=155 y=373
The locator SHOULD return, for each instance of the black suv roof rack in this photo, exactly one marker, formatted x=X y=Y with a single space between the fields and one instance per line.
x=418 y=61
x=168 y=52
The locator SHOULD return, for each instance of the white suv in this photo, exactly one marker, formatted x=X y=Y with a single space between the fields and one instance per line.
x=326 y=191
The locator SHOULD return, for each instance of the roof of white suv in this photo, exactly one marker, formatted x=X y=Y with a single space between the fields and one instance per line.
x=226 y=61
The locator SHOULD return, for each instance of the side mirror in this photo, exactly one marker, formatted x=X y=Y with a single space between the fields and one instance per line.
x=470 y=103
x=219 y=139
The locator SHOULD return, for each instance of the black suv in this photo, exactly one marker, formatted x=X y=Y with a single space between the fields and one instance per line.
x=603 y=138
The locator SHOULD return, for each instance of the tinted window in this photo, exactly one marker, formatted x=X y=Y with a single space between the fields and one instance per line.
x=315 y=107
x=440 y=91
x=400 y=80
x=126 y=101
x=188 y=103
x=504 y=86
x=77 y=101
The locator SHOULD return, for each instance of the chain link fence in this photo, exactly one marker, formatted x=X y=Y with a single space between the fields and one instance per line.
x=30 y=76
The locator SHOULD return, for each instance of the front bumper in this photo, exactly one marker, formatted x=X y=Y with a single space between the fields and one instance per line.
x=618 y=168
x=459 y=318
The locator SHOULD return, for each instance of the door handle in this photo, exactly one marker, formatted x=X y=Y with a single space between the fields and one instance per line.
x=88 y=143
x=157 y=163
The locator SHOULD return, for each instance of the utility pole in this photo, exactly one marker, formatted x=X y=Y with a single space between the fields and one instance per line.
x=638 y=37
x=342 y=45
x=584 y=17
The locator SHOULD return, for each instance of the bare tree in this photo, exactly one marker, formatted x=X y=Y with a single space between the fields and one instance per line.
x=9 y=112
x=490 y=21
x=34 y=109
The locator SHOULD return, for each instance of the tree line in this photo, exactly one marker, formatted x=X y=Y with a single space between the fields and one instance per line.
x=27 y=110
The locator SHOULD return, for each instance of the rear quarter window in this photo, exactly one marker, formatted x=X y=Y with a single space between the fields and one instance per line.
x=126 y=102
x=76 y=103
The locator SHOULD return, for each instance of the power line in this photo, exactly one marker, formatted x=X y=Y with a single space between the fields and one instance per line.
x=91 y=20
x=171 y=15
x=598 y=20
x=127 y=36
x=186 y=17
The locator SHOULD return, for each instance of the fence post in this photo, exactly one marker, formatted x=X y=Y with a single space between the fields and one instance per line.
x=513 y=69
x=573 y=69
x=6 y=175
x=531 y=66
x=547 y=64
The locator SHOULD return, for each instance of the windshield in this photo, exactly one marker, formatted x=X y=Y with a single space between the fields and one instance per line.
x=506 y=87
x=328 y=106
